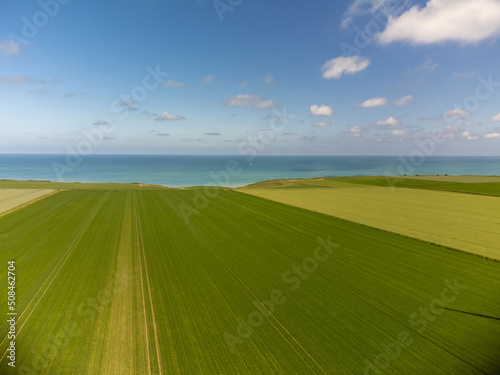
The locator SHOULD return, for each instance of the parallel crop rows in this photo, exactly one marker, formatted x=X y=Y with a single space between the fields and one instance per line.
x=466 y=222
x=122 y=282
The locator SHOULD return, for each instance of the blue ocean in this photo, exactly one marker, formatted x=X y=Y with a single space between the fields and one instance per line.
x=231 y=171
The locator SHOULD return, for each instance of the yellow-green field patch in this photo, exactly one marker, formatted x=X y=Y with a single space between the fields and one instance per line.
x=12 y=198
x=466 y=222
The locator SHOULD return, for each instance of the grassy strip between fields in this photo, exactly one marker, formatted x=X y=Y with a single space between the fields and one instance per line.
x=154 y=282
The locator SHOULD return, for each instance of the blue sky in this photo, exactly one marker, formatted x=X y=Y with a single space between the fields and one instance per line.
x=381 y=77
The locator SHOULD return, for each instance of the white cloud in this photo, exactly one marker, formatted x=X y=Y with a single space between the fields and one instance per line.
x=130 y=105
x=265 y=104
x=334 y=68
x=492 y=135
x=404 y=100
x=172 y=83
x=374 y=102
x=242 y=100
x=469 y=136
x=212 y=133
x=102 y=122
x=391 y=121
x=321 y=123
x=462 y=21
x=446 y=133
x=269 y=78
x=208 y=79
x=495 y=118
x=9 y=48
x=398 y=132
x=453 y=127
x=458 y=113
x=428 y=66
x=15 y=80
x=356 y=131
x=39 y=91
x=165 y=116
x=321 y=110
x=21 y=80
x=471 y=123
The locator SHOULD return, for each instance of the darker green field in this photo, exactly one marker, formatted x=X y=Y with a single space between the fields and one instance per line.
x=183 y=282
x=483 y=188
x=489 y=188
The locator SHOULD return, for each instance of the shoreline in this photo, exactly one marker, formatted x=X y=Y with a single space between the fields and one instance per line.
x=463 y=179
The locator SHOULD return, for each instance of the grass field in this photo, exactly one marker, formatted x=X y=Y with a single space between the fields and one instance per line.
x=155 y=282
x=490 y=188
x=469 y=184
x=12 y=198
x=466 y=222
x=465 y=179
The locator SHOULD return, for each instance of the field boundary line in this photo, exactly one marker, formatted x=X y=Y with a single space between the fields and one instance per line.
x=135 y=214
x=383 y=230
x=141 y=244
x=25 y=204
x=347 y=288
x=65 y=256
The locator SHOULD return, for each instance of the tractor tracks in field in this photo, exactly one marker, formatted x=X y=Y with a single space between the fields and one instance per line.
x=44 y=287
x=142 y=261
x=299 y=349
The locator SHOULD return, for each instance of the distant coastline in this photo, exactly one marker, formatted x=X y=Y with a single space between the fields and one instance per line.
x=229 y=170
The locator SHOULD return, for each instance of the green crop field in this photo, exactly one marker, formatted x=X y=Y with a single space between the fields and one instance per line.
x=12 y=198
x=481 y=188
x=466 y=179
x=466 y=222
x=482 y=185
x=184 y=282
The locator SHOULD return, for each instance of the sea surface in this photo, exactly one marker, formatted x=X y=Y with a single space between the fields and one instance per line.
x=231 y=171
